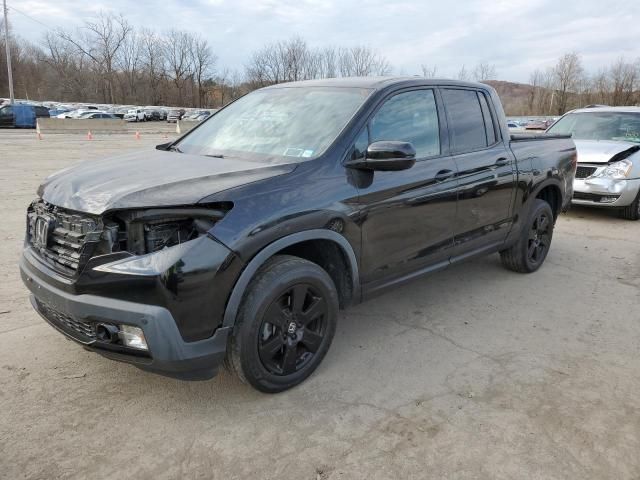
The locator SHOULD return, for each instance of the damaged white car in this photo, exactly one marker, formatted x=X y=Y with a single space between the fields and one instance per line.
x=608 y=143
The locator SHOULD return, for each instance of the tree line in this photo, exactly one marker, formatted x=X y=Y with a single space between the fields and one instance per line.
x=107 y=60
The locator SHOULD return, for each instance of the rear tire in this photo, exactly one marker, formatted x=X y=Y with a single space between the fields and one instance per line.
x=632 y=212
x=285 y=324
x=528 y=254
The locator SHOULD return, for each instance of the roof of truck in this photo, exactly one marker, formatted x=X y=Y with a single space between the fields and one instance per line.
x=376 y=82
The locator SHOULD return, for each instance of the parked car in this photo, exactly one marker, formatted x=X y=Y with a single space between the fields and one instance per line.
x=243 y=238
x=151 y=115
x=100 y=115
x=202 y=116
x=135 y=115
x=608 y=143
x=21 y=115
x=539 y=124
x=58 y=111
x=75 y=113
x=174 y=115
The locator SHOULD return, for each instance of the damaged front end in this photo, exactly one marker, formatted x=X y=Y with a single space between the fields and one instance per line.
x=154 y=277
x=608 y=181
x=66 y=240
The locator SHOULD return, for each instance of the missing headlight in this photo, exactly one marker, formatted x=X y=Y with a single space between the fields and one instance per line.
x=151 y=230
x=160 y=235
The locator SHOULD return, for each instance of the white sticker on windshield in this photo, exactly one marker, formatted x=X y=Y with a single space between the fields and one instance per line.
x=293 y=152
x=307 y=153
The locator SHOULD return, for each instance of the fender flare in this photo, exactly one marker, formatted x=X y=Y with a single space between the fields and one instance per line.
x=233 y=305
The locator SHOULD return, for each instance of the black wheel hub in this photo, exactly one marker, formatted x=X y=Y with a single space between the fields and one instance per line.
x=292 y=330
x=539 y=238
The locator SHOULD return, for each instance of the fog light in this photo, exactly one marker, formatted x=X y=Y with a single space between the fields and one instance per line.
x=133 y=337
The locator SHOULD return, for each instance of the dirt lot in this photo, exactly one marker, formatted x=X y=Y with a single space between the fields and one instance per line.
x=475 y=372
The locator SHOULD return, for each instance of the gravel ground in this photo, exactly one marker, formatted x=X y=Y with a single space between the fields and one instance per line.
x=474 y=372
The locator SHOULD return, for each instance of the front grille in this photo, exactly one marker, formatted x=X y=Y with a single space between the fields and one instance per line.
x=82 y=331
x=584 y=171
x=67 y=240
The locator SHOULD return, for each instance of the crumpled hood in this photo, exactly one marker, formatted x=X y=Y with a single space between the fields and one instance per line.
x=601 y=151
x=149 y=179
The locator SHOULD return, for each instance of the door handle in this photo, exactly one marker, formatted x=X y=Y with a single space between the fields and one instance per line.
x=502 y=162
x=444 y=175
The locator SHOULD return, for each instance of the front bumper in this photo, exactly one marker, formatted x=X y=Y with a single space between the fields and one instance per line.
x=75 y=308
x=605 y=192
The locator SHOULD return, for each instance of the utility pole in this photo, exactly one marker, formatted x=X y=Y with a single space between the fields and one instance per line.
x=6 y=44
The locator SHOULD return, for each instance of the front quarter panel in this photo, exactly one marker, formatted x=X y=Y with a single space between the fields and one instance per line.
x=317 y=195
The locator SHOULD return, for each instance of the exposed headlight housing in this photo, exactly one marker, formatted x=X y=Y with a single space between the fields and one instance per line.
x=616 y=170
x=151 y=230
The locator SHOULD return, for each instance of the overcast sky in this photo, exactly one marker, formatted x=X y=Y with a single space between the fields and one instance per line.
x=516 y=36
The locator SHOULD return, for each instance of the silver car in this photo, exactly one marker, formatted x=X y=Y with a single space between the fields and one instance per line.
x=608 y=144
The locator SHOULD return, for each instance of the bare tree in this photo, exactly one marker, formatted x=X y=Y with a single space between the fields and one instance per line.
x=130 y=62
x=177 y=53
x=100 y=41
x=154 y=64
x=624 y=82
x=463 y=74
x=69 y=68
x=484 y=71
x=203 y=64
x=361 y=61
x=567 y=76
x=429 y=71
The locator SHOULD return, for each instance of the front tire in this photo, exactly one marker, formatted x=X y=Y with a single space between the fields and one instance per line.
x=528 y=254
x=632 y=212
x=285 y=324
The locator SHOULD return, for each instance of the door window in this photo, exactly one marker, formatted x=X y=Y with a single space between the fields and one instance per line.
x=466 y=123
x=489 y=124
x=409 y=117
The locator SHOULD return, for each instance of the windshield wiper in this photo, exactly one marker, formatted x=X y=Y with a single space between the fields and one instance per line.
x=217 y=155
x=175 y=148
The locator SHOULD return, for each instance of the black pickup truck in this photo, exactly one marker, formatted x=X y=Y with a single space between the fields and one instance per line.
x=239 y=242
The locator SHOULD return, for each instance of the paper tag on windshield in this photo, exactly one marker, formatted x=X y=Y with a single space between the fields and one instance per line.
x=293 y=152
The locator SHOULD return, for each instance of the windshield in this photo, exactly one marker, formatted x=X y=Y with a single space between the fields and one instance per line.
x=277 y=124
x=618 y=126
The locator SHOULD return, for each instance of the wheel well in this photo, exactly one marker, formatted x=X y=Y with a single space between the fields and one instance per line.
x=328 y=255
x=551 y=194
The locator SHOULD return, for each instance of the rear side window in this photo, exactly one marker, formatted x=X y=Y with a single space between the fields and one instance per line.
x=466 y=123
x=409 y=117
x=488 y=120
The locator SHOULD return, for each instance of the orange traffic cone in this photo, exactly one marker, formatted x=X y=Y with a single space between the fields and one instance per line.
x=137 y=135
x=89 y=136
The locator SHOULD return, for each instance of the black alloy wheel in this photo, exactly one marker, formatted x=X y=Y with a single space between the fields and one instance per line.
x=539 y=238
x=292 y=330
x=285 y=324
x=529 y=251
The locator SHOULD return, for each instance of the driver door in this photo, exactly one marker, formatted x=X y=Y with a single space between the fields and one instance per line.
x=407 y=216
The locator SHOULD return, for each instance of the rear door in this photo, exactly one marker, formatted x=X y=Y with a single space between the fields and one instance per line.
x=486 y=171
x=406 y=215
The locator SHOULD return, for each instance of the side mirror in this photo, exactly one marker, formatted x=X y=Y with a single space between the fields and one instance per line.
x=387 y=156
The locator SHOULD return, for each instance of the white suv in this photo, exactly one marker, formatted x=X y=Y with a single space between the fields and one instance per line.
x=134 y=115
